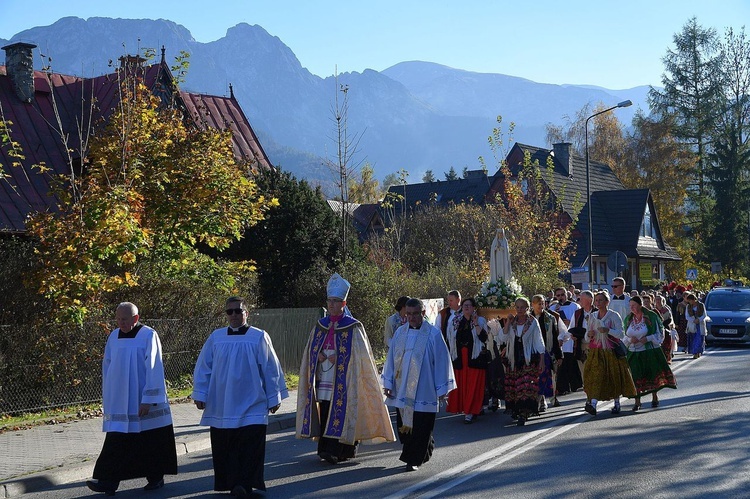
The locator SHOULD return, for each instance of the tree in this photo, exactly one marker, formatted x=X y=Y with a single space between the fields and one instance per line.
x=692 y=95
x=294 y=236
x=451 y=174
x=154 y=189
x=607 y=138
x=428 y=177
x=729 y=178
x=365 y=189
x=654 y=159
x=572 y=130
x=343 y=165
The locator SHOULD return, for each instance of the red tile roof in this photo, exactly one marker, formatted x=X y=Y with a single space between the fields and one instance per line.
x=35 y=128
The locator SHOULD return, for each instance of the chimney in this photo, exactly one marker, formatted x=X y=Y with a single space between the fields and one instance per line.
x=131 y=62
x=564 y=156
x=19 y=66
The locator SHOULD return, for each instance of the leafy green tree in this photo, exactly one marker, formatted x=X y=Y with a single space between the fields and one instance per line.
x=297 y=234
x=154 y=189
x=692 y=95
x=729 y=179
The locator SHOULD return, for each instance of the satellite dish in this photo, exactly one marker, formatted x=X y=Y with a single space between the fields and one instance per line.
x=617 y=262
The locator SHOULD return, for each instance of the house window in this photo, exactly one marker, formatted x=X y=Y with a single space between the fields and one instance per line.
x=648 y=228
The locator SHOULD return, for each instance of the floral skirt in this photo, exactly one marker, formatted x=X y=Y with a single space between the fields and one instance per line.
x=522 y=388
x=606 y=377
x=650 y=371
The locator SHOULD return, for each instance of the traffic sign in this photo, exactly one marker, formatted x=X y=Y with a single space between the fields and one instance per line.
x=617 y=262
x=691 y=274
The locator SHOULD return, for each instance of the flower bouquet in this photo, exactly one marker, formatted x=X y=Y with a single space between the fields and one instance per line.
x=498 y=294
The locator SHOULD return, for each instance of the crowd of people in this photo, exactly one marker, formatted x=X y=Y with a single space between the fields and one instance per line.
x=610 y=345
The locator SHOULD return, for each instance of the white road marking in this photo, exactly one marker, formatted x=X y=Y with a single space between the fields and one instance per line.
x=514 y=448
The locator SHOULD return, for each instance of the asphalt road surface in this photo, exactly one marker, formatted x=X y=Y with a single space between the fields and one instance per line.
x=696 y=443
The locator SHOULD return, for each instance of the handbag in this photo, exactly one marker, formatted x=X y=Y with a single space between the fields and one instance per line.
x=618 y=347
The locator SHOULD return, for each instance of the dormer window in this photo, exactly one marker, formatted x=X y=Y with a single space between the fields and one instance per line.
x=648 y=228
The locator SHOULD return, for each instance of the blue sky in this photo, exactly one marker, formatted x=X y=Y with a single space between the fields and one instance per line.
x=616 y=45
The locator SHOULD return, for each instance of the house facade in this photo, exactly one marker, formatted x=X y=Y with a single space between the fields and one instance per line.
x=624 y=221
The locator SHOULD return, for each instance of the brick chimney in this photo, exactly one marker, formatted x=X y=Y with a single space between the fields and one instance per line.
x=562 y=152
x=19 y=66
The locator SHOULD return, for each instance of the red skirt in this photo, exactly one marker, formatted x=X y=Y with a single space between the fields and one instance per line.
x=469 y=392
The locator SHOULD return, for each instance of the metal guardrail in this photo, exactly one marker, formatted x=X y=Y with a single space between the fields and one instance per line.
x=43 y=368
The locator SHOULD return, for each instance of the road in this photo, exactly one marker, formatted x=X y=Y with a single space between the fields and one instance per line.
x=695 y=443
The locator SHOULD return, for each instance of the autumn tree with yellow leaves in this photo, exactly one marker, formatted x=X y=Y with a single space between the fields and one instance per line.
x=155 y=189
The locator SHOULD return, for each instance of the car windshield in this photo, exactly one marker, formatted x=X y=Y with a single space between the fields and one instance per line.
x=729 y=302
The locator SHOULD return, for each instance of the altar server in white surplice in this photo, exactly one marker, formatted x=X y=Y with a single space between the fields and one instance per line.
x=417 y=376
x=140 y=437
x=237 y=381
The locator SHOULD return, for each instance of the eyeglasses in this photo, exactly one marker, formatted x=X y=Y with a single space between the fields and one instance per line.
x=617 y=285
x=560 y=296
x=237 y=311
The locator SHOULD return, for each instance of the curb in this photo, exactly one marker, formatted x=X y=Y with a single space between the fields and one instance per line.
x=48 y=479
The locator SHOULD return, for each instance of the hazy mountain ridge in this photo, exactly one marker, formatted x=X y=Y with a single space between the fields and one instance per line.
x=413 y=115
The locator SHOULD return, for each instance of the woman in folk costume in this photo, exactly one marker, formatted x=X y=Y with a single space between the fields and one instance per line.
x=644 y=334
x=550 y=326
x=695 y=314
x=467 y=333
x=665 y=312
x=605 y=376
x=340 y=402
x=525 y=351
x=680 y=319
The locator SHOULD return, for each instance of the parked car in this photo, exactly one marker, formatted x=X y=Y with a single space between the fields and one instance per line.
x=728 y=309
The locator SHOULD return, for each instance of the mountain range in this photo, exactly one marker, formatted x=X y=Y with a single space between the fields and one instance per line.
x=415 y=115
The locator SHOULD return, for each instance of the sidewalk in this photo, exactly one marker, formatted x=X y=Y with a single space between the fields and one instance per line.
x=44 y=456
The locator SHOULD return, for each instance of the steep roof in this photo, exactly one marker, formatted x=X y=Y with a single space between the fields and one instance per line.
x=616 y=219
x=569 y=187
x=64 y=100
x=473 y=188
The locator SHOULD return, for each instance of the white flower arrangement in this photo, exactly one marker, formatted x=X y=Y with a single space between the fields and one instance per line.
x=499 y=294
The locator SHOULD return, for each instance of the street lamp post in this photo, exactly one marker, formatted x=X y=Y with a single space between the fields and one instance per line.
x=624 y=103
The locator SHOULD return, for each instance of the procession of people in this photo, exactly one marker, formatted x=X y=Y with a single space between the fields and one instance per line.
x=610 y=346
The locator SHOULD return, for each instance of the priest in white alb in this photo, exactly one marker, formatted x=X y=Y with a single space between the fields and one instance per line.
x=137 y=419
x=237 y=381
x=417 y=376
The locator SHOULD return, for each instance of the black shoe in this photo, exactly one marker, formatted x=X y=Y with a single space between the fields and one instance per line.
x=637 y=407
x=108 y=488
x=239 y=491
x=521 y=421
x=556 y=403
x=590 y=409
x=154 y=485
x=616 y=409
x=327 y=456
x=655 y=403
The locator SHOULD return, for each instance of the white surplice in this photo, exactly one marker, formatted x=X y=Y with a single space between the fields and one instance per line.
x=239 y=377
x=133 y=374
